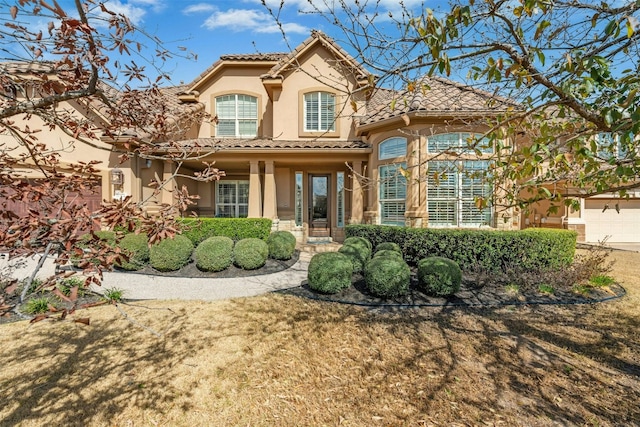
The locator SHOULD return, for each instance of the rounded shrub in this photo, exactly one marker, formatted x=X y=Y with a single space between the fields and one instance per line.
x=329 y=272
x=358 y=253
x=439 y=276
x=214 y=253
x=171 y=254
x=387 y=277
x=389 y=253
x=388 y=246
x=281 y=244
x=136 y=247
x=358 y=241
x=250 y=253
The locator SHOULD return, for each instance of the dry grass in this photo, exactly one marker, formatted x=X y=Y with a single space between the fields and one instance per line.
x=277 y=360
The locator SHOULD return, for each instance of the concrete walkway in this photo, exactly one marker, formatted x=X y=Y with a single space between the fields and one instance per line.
x=142 y=286
x=146 y=286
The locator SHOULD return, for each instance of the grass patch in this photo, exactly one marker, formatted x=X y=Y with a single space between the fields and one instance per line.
x=601 y=280
x=546 y=289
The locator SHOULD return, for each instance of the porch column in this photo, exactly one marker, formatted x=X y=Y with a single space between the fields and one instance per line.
x=169 y=182
x=357 y=205
x=414 y=213
x=255 y=194
x=270 y=202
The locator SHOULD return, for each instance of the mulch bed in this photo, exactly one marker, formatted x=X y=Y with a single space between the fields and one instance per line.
x=191 y=271
x=469 y=296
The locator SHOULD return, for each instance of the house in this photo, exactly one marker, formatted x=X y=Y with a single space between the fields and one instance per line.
x=305 y=140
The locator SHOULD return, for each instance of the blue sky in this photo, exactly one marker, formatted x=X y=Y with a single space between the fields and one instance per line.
x=210 y=28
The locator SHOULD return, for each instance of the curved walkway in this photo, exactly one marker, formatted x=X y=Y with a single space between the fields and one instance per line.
x=144 y=286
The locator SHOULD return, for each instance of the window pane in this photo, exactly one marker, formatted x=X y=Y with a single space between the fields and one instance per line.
x=392 y=213
x=441 y=180
x=226 y=128
x=225 y=107
x=340 y=192
x=442 y=212
x=311 y=111
x=327 y=112
x=232 y=199
x=237 y=116
x=248 y=128
x=443 y=142
x=394 y=147
x=393 y=190
x=298 y=199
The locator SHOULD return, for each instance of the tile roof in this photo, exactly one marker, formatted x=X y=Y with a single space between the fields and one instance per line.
x=251 y=57
x=328 y=42
x=268 y=143
x=432 y=96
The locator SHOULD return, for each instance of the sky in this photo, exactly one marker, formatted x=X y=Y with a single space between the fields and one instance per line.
x=210 y=28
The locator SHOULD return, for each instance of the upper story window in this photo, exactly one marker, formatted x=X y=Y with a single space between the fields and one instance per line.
x=392 y=147
x=611 y=146
x=237 y=116
x=319 y=112
x=459 y=142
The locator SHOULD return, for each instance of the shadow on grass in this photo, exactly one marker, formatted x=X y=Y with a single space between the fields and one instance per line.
x=77 y=374
x=516 y=365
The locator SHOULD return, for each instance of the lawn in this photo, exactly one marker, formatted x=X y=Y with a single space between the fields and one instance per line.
x=282 y=360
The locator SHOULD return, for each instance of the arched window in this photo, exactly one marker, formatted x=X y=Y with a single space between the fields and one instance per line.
x=319 y=112
x=237 y=116
x=392 y=147
x=459 y=142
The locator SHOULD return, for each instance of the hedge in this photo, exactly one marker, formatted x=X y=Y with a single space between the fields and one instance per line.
x=200 y=229
x=282 y=245
x=532 y=249
x=136 y=247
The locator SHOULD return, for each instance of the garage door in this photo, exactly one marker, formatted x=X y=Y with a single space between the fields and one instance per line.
x=623 y=227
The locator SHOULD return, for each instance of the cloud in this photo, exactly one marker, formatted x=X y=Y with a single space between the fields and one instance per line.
x=134 y=13
x=249 y=20
x=198 y=8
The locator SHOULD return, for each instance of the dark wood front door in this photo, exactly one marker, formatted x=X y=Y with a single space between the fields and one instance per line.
x=319 y=223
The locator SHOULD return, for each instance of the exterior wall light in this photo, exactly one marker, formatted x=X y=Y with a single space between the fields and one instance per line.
x=117 y=177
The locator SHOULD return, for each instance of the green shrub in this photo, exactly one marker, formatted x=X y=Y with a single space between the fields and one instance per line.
x=65 y=285
x=136 y=247
x=388 y=246
x=171 y=254
x=533 y=249
x=214 y=254
x=106 y=236
x=200 y=229
x=358 y=253
x=387 y=277
x=38 y=305
x=439 y=276
x=282 y=245
x=388 y=253
x=250 y=254
x=358 y=241
x=329 y=272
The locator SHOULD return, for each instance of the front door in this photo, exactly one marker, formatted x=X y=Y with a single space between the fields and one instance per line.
x=319 y=225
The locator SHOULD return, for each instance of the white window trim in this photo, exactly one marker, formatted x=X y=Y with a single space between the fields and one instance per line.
x=331 y=125
x=458 y=200
x=382 y=201
x=236 y=204
x=236 y=119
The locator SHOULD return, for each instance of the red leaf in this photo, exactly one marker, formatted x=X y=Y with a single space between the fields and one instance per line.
x=83 y=320
x=38 y=318
x=14 y=11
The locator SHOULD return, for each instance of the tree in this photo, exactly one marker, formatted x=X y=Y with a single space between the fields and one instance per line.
x=572 y=67
x=78 y=75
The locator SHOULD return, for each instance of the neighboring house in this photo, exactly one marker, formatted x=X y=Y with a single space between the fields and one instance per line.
x=305 y=141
